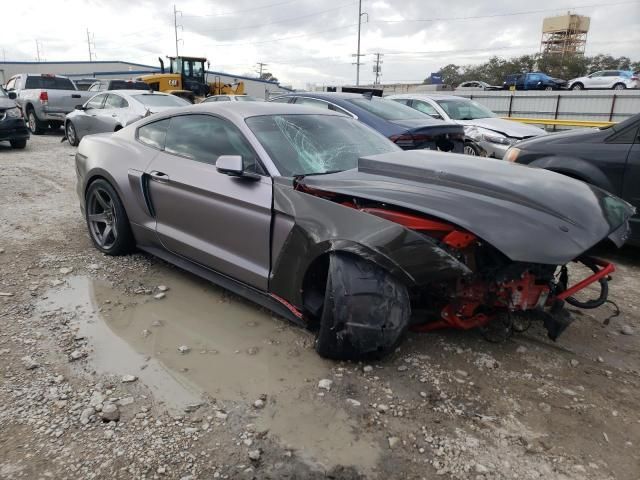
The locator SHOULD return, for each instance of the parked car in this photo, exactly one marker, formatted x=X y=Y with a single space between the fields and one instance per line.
x=231 y=98
x=485 y=134
x=533 y=81
x=615 y=79
x=406 y=127
x=45 y=99
x=476 y=85
x=608 y=158
x=117 y=84
x=320 y=218
x=12 y=126
x=84 y=83
x=110 y=111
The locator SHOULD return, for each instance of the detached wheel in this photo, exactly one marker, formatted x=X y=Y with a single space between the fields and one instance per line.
x=35 y=126
x=107 y=220
x=366 y=310
x=72 y=135
x=18 y=144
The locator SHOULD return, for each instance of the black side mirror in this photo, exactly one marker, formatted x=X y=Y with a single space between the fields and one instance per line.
x=12 y=95
x=232 y=165
x=80 y=107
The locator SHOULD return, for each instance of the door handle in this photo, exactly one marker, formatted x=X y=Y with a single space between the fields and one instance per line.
x=159 y=176
x=114 y=115
x=75 y=95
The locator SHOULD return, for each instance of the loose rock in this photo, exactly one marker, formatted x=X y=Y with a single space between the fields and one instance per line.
x=110 y=412
x=393 y=441
x=29 y=363
x=325 y=384
x=626 y=330
x=129 y=378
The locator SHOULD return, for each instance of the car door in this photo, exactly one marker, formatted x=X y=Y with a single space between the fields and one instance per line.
x=88 y=123
x=610 y=78
x=595 y=80
x=113 y=113
x=215 y=220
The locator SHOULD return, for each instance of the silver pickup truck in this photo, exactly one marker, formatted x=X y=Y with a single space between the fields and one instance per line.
x=45 y=99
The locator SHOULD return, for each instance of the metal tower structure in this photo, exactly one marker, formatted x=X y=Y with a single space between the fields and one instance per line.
x=564 y=35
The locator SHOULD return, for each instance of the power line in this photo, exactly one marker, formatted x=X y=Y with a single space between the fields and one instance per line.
x=284 y=38
x=377 y=68
x=511 y=14
x=284 y=20
x=224 y=14
x=260 y=66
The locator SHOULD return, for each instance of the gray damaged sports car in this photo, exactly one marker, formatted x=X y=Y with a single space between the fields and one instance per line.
x=314 y=215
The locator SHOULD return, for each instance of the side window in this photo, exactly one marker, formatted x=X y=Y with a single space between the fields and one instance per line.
x=424 y=107
x=596 y=75
x=224 y=99
x=210 y=99
x=115 y=101
x=96 y=102
x=154 y=134
x=204 y=138
x=11 y=84
x=611 y=73
x=405 y=101
x=627 y=136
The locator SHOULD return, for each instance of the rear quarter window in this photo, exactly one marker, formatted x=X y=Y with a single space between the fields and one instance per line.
x=53 y=83
x=154 y=134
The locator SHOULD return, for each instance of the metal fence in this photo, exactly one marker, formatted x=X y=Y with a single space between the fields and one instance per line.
x=593 y=105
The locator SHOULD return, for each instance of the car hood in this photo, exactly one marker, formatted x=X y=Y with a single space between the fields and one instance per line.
x=6 y=102
x=505 y=127
x=428 y=122
x=529 y=214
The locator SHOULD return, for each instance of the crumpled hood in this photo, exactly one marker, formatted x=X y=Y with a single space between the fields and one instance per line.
x=505 y=127
x=529 y=214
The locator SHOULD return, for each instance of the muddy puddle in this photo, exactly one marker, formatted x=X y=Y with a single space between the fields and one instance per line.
x=237 y=352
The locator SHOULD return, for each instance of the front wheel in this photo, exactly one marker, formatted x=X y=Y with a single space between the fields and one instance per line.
x=107 y=219
x=72 y=135
x=471 y=149
x=619 y=86
x=576 y=86
x=366 y=310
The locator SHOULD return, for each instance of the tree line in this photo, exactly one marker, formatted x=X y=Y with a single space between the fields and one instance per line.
x=496 y=68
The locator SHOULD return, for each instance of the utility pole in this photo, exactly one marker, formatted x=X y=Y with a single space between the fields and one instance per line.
x=358 y=55
x=37 y=50
x=377 y=68
x=260 y=67
x=89 y=46
x=175 y=25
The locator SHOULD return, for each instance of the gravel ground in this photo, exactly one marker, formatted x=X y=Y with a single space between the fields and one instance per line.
x=129 y=368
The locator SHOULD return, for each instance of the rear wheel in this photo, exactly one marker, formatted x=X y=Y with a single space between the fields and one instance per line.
x=72 y=135
x=107 y=220
x=619 y=86
x=366 y=310
x=18 y=144
x=35 y=126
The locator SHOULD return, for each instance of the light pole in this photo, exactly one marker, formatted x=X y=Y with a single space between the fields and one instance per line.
x=358 y=55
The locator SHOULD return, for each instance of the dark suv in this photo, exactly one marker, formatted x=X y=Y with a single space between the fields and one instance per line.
x=533 y=81
x=12 y=126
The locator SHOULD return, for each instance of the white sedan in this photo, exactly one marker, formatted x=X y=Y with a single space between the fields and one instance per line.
x=115 y=109
x=615 y=79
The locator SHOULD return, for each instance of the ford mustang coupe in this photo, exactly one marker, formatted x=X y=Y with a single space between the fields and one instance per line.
x=326 y=222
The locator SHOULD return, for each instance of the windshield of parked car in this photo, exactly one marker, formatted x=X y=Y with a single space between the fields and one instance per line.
x=387 y=109
x=315 y=144
x=465 y=109
x=155 y=100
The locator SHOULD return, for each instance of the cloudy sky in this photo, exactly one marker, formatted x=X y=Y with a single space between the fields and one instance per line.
x=307 y=41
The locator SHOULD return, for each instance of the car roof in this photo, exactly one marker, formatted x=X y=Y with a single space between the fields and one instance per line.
x=434 y=96
x=326 y=95
x=241 y=110
x=127 y=91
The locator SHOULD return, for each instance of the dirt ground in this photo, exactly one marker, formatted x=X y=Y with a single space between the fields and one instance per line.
x=130 y=368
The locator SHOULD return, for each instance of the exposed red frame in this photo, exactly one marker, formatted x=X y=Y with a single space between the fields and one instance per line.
x=607 y=268
x=288 y=306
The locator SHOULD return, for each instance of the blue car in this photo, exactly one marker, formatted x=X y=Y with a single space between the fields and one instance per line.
x=533 y=81
x=406 y=127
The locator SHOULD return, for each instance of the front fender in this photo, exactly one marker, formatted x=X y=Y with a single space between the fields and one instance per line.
x=306 y=226
x=576 y=168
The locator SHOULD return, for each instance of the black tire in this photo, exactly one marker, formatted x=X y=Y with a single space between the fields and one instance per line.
x=619 y=86
x=548 y=88
x=71 y=133
x=366 y=310
x=576 y=86
x=104 y=209
x=18 y=144
x=35 y=126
